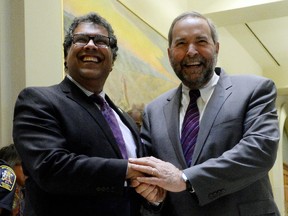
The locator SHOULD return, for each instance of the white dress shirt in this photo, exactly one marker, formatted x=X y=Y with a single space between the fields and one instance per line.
x=205 y=94
x=127 y=135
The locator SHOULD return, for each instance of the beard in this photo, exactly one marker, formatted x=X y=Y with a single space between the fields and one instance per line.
x=195 y=78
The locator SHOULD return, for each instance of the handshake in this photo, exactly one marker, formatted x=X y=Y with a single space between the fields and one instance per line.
x=152 y=177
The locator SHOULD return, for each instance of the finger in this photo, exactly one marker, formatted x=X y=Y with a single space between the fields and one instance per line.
x=134 y=183
x=152 y=195
x=155 y=160
x=161 y=194
x=145 y=169
x=142 y=188
x=141 y=168
x=149 y=192
x=148 y=161
x=132 y=173
x=149 y=180
x=140 y=161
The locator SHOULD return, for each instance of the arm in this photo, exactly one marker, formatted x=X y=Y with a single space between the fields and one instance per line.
x=234 y=163
x=247 y=160
x=59 y=141
x=7 y=188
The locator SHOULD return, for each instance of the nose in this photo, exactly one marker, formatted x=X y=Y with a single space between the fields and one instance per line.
x=192 y=50
x=90 y=43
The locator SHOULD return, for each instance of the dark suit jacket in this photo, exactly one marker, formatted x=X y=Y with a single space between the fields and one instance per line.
x=73 y=163
x=236 y=147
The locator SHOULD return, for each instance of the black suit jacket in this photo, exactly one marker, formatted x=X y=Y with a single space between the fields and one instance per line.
x=72 y=160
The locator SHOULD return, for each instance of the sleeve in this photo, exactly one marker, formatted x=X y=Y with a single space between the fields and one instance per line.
x=56 y=145
x=246 y=159
x=7 y=187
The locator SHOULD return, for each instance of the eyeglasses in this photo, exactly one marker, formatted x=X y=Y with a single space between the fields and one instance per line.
x=98 y=40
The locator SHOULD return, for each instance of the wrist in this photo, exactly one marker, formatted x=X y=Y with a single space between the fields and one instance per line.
x=188 y=185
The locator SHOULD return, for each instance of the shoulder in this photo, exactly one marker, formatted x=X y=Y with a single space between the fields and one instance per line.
x=254 y=84
x=38 y=95
x=7 y=187
x=250 y=78
x=165 y=97
x=246 y=81
x=7 y=177
x=39 y=90
x=246 y=78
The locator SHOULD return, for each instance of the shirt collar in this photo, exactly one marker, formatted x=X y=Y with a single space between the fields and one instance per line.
x=206 y=91
x=87 y=92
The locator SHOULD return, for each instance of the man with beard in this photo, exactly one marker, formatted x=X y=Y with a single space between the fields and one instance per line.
x=221 y=166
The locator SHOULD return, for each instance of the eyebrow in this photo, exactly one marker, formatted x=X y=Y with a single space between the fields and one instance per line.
x=202 y=37
x=80 y=33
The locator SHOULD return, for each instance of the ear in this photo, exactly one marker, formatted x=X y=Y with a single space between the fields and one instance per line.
x=65 y=65
x=111 y=67
x=169 y=51
x=112 y=61
x=217 y=46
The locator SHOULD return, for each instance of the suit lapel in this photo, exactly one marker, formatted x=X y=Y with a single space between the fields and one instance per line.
x=221 y=93
x=129 y=123
x=171 y=114
x=83 y=100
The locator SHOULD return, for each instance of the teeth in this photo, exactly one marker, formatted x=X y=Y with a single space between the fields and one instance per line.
x=91 y=58
x=193 y=63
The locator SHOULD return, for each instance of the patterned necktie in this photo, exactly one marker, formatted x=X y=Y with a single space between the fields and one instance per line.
x=190 y=127
x=112 y=121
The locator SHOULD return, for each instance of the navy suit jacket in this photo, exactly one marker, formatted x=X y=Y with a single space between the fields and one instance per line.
x=72 y=160
x=236 y=147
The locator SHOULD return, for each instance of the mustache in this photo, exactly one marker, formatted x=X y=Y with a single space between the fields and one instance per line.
x=193 y=60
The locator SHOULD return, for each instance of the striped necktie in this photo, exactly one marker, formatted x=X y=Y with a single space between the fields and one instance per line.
x=190 y=127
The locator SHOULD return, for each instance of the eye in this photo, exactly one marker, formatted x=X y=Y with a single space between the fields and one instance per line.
x=101 y=40
x=80 y=39
x=202 y=40
x=179 y=43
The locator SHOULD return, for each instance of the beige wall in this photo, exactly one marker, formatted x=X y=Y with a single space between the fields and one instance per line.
x=276 y=174
x=30 y=52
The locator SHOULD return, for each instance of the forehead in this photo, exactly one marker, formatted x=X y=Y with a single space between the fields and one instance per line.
x=90 y=28
x=191 y=26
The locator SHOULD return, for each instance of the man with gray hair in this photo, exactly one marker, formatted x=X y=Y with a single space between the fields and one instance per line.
x=215 y=137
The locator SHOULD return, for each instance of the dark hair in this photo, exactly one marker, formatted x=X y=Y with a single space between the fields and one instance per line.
x=195 y=14
x=96 y=19
x=10 y=155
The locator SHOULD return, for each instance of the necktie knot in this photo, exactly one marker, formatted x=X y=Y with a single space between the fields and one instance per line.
x=194 y=94
x=98 y=100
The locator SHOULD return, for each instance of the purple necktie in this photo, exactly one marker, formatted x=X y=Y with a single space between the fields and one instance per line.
x=112 y=121
x=190 y=127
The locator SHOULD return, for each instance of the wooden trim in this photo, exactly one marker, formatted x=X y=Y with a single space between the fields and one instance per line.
x=285 y=166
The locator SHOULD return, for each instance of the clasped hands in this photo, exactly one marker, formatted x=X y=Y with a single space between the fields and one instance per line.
x=152 y=177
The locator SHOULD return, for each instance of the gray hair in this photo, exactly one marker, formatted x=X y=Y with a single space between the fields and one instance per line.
x=195 y=14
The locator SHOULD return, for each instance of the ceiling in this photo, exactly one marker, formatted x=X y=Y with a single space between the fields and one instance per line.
x=259 y=27
x=263 y=31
